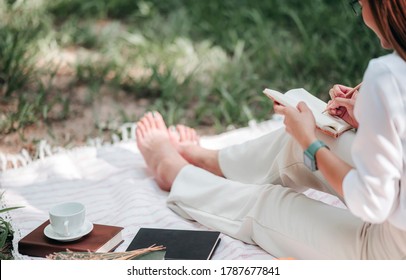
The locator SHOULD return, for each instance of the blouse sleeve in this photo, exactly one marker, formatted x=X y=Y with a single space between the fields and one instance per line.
x=371 y=189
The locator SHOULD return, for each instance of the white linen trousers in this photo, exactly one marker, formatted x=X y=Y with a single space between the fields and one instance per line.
x=260 y=201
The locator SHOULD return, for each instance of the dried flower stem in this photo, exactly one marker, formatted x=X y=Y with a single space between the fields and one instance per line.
x=70 y=255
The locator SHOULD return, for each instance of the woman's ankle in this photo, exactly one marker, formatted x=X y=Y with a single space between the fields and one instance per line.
x=201 y=157
x=167 y=171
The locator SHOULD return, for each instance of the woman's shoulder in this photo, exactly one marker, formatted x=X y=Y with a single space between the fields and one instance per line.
x=387 y=66
x=391 y=62
x=385 y=82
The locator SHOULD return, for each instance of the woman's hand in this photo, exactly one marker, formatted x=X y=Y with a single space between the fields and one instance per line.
x=299 y=123
x=342 y=105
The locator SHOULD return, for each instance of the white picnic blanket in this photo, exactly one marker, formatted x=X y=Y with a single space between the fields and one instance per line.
x=113 y=182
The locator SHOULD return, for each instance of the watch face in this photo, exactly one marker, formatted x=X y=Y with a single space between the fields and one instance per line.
x=309 y=162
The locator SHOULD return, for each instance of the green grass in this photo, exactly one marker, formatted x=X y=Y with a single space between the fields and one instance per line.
x=198 y=62
x=6 y=232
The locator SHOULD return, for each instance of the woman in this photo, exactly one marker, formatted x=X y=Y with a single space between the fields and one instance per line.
x=252 y=191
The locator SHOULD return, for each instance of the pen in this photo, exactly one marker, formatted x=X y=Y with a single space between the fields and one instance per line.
x=347 y=95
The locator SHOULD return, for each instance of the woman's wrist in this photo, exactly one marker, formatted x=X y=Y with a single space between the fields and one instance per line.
x=306 y=142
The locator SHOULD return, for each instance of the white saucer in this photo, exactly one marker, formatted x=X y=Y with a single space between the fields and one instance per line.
x=49 y=232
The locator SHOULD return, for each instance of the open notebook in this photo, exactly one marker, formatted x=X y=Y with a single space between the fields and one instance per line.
x=330 y=125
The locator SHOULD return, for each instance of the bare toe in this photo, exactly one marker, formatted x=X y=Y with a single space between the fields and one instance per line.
x=174 y=135
x=194 y=136
x=159 y=121
x=187 y=135
x=139 y=132
x=182 y=132
x=191 y=135
x=150 y=119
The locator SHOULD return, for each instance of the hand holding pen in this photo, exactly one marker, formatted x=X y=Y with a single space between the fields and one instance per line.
x=342 y=103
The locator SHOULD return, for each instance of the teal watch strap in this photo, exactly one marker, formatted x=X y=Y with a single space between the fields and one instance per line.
x=310 y=152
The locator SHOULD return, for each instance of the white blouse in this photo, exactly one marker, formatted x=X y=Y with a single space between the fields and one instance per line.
x=375 y=190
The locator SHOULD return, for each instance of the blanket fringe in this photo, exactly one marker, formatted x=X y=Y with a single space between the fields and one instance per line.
x=126 y=132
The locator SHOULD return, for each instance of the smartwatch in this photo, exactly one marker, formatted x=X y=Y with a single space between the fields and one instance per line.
x=309 y=155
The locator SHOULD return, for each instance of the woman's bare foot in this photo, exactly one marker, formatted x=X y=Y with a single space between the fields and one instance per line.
x=182 y=135
x=186 y=141
x=155 y=144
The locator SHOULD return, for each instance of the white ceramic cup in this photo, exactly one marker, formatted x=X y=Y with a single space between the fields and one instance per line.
x=67 y=219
